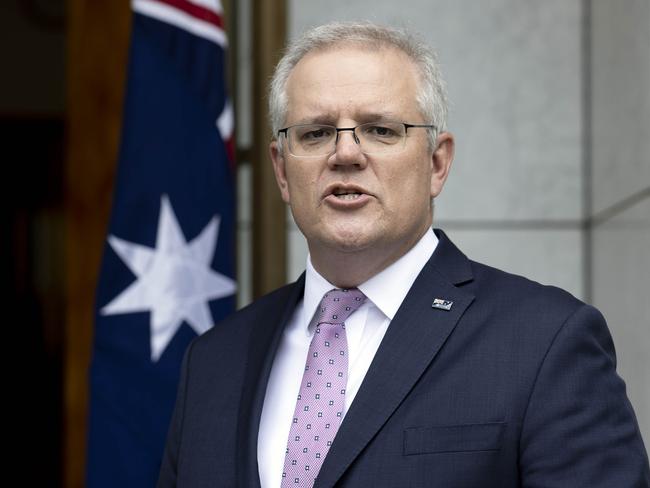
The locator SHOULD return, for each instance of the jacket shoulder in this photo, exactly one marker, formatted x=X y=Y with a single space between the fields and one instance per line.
x=496 y=282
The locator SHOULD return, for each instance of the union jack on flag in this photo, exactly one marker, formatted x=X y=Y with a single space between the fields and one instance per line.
x=167 y=273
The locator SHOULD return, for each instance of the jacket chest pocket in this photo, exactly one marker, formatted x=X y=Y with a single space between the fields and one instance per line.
x=453 y=438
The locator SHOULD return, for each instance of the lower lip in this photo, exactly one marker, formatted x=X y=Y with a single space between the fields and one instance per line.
x=339 y=203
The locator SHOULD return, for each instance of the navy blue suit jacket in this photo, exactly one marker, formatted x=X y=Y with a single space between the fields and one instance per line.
x=514 y=386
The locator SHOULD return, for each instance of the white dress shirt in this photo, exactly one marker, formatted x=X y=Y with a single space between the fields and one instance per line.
x=365 y=329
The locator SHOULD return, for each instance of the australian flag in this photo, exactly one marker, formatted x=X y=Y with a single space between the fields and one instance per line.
x=167 y=272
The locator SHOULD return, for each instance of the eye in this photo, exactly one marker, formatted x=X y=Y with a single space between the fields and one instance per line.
x=381 y=131
x=384 y=132
x=315 y=134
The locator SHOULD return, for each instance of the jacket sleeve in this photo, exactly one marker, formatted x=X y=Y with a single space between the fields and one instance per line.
x=170 y=461
x=579 y=429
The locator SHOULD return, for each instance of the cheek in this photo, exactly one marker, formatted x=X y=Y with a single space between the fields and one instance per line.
x=301 y=185
x=409 y=186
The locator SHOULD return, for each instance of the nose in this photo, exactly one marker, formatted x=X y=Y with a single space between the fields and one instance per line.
x=348 y=151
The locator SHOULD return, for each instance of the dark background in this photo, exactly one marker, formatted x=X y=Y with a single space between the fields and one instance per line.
x=32 y=128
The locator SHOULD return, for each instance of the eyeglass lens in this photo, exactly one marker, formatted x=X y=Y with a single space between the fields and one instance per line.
x=320 y=140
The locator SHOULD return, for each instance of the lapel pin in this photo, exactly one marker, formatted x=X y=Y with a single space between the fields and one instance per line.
x=442 y=304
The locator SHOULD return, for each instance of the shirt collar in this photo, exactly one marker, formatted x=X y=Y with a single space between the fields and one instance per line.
x=386 y=290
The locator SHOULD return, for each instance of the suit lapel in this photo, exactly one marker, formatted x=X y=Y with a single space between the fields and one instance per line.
x=414 y=337
x=264 y=341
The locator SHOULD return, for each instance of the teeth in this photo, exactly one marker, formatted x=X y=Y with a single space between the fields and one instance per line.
x=349 y=196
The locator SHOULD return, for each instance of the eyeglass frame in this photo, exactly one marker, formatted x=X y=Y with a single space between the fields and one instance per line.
x=407 y=126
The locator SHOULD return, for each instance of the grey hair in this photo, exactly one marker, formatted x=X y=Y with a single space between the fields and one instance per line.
x=432 y=94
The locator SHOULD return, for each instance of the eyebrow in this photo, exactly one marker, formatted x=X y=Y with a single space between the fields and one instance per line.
x=362 y=118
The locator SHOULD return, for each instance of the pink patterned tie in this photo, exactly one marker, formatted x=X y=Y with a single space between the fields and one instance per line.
x=320 y=404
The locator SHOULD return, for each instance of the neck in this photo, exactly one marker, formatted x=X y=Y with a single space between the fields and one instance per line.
x=349 y=269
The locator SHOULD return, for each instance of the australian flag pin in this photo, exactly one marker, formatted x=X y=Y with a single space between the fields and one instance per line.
x=442 y=304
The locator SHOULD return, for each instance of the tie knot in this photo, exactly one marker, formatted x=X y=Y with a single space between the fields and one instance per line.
x=337 y=305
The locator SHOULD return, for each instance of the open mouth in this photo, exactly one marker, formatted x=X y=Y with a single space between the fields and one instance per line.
x=346 y=194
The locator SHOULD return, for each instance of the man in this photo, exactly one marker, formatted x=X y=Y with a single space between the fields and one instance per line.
x=394 y=360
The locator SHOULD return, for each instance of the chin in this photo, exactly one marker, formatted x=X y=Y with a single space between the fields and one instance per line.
x=350 y=240
x=344 y=236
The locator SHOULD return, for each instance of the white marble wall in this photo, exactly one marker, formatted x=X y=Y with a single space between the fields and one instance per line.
x=621 y=100
x=620 y=179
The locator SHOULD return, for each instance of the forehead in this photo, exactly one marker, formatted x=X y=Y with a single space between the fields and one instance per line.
x=352 y=82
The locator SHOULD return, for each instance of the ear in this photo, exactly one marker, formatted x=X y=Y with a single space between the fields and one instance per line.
x=279 y=168
x=441 y=162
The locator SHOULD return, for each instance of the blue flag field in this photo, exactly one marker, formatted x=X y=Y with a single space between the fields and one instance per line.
x=167 y=273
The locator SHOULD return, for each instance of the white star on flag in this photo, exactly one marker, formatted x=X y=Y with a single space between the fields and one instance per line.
x=174 y=280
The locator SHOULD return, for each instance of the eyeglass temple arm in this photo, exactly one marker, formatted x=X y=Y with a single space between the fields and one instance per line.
x=425 y=126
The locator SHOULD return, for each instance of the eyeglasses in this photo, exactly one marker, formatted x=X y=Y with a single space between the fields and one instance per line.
x=317 y=140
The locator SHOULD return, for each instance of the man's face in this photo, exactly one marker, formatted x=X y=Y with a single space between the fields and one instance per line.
x=345 y=87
